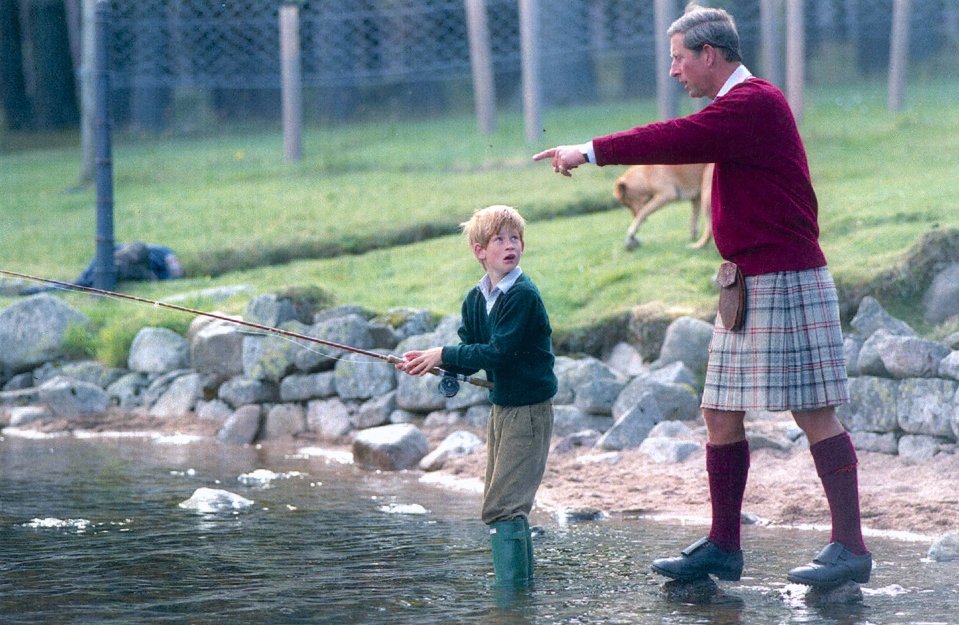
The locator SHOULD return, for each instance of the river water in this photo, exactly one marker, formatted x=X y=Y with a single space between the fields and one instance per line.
x=91 y=531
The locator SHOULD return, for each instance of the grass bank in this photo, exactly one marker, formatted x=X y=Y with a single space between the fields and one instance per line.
x=370 y=213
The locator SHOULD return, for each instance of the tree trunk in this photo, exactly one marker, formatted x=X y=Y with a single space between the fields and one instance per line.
x=13 y=85
x=55 y=102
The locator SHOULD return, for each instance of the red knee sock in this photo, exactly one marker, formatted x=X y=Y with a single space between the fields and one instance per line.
x=727 y=466
x=836 y=465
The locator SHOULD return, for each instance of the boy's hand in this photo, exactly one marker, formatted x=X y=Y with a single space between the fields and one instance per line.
x=421 y=362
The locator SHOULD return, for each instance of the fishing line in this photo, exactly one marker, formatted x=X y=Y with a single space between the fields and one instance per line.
x=449 y=382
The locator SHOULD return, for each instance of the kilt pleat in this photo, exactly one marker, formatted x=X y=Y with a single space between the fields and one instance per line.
x=789 y=354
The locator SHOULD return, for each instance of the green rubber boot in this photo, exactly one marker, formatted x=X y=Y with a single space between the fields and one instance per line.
x=529 y=549
x=511 y=552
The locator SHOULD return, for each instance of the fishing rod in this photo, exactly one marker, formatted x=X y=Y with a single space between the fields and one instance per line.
x=449 y=381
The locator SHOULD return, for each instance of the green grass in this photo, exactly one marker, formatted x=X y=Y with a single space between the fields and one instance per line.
x=371 y=212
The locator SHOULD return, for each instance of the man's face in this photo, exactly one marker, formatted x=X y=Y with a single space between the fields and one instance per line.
x=689 y=68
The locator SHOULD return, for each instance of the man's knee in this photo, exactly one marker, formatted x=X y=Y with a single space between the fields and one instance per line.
x=724 y=426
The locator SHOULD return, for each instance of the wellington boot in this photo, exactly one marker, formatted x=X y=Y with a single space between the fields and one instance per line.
x=529 y=549
x=511 y=552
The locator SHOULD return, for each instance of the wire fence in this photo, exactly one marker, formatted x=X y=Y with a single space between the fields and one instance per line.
x=360 y=50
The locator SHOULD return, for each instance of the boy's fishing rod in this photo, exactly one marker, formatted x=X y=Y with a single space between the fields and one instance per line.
x=448 y=383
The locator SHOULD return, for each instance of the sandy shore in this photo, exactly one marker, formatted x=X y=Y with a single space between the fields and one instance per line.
x=913 y=501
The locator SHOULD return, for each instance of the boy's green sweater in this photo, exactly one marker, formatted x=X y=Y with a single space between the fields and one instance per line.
x=512 y=343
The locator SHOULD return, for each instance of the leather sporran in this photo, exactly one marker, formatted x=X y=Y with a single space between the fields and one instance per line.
x=732 y=296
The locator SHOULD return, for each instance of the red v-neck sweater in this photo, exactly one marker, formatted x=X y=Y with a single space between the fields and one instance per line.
x=764 y=208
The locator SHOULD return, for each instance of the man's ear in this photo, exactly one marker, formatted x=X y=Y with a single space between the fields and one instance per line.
x=710 y=53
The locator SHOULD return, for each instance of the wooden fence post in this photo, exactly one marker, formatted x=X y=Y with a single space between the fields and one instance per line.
x=795 y=56
x=292 y=80
x=770 y=21
x=898 y=55
x=529 y=46
x=665 y=13
x=481 y=61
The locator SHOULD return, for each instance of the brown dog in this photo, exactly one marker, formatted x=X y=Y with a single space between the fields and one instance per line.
x=644 y=189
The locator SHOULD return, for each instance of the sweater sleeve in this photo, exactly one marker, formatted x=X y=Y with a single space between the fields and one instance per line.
x=726 y=129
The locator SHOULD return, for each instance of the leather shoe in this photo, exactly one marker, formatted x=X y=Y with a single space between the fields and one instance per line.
x=700 y=559
x=835 y=565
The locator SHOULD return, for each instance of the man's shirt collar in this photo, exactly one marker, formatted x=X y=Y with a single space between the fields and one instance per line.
x=741 y=74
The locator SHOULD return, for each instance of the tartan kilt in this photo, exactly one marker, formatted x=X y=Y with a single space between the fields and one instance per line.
x=789 y=353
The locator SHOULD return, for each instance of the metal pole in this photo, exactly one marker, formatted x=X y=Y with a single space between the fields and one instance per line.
x=292 y=80
x=105 y=271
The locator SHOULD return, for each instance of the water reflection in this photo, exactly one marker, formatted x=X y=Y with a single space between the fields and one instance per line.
x=334 y=544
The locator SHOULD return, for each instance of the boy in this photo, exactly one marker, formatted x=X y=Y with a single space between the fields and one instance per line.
x=506 y=331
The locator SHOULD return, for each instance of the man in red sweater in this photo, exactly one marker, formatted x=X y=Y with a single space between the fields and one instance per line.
x=788 y=354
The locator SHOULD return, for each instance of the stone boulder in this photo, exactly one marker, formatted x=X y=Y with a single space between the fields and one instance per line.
x=330 y=418
x=362 y=377
x=242 y=427
x=568 y=419
x=282 y=421
x=180 y=397
x=240 y=391
x=871 y=316
x=686 y=341
x=216 y=347
x=350 y=329
x=633 y=426
x=306 y=386
x=926 y=406
x=158 y=350
x=872 y=407
x=945 y=548
x=912 y=357
x=271 y=357
x=459 y=443
x=941 y=300
x=66 y=397
x=390 y=447
x=32 y=331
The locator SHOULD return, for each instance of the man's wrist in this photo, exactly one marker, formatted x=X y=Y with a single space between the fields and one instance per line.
x=586 y=149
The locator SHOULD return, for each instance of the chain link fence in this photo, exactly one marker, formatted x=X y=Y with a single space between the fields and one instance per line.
x=413 y=56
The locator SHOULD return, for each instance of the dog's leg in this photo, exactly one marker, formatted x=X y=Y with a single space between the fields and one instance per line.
x=655 y=203
x=704 y=239
x=707 y=229
x=705 y=207
x=694 y=218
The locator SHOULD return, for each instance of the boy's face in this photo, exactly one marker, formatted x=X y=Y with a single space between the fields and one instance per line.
x=501 y=255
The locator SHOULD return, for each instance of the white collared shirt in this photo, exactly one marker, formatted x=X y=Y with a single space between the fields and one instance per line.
x=491 y=295
x=741 y=74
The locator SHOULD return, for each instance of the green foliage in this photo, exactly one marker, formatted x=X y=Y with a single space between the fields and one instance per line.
x=79 y=342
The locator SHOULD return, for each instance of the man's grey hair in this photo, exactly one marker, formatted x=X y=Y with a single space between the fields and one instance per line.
x=700 y=26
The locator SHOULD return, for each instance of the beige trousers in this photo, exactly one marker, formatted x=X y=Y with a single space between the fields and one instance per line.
x=517 y=444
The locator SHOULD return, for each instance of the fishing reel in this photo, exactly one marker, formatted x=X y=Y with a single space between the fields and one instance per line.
x=449 y=386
